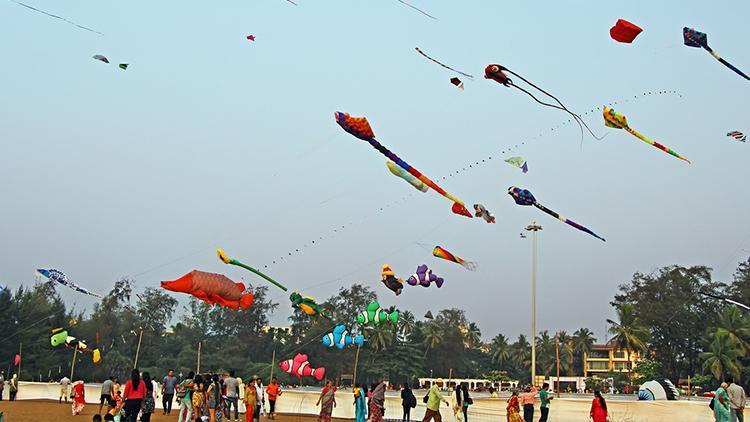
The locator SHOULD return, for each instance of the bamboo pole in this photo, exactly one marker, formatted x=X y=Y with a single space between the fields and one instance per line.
x=450 y=378
x=198 y=371
x=138 y=350
x=273 y=362
x=557 y=358
x=356 y=362
x=73 y=364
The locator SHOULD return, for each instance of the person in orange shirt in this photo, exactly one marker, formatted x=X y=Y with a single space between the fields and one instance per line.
x=527 y=400
x=273 y=391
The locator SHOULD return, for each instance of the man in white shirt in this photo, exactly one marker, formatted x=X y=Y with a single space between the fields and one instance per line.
x=64 y=385
x=736 y=400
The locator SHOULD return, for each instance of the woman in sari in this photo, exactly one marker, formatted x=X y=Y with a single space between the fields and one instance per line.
x=251 y=400
x=327 y=402
x=721 y=404
x=514 y=408
x=377 y=403
x=598 y=411
x=198 y=397
x=79 y=397
x=360 y=408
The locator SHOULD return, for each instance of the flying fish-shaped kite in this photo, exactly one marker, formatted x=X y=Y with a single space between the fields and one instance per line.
x=212 y=289
x=693 y=38
x=619 y=121
x=526 y=198
x=308 y=305
x=424 y=277
x=360 y=128
x=300 y=367
x=59 y=277
x=341 y=337
x=393 y=283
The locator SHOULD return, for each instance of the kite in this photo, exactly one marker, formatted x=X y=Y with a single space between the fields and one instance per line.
x=439 y=252
x=619 y=121
x=375 y=314
x=428 y=315
x=17 y=360
x=399 y=172
x=227 y=260
x=212 y=289
x=424 y=277
x=60 y=337
x=250 y=37
x=481 y=211
x=101 y=58
x=300 y=367
x=726 y=299
x=417 y=9
x=457 y=82
x=693 y=38
x=340 y=337
x=495 y=72
x=123 y=66
x=624 y=31
x=308 y=305
x=523 y=236
x=443 y=65
x=518 y=162
x=58 y=277
x=360 y=128
x=391 y=282
x=55 y=16
x=737 y=135
x=526 y=198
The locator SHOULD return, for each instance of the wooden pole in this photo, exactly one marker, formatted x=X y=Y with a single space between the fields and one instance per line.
x=273 y=362
x=450 y=377
x=138 y=350
x=198 y=371
x=73 y=364
x=356 y=362
x=689 y=392
x=557 y=358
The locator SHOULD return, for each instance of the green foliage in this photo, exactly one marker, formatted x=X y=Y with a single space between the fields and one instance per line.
x=647 y=370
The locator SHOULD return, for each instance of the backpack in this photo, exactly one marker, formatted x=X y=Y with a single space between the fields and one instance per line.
x=412 y=400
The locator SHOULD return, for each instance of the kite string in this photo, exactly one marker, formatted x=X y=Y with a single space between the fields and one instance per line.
x=56 y=17
x=443 y=65
x=417 y=9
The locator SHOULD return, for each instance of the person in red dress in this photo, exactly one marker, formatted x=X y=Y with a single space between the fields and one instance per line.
x=598 y=408
x=79 y=397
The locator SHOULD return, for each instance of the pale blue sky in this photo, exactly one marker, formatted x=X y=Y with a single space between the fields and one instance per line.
x=209 y=140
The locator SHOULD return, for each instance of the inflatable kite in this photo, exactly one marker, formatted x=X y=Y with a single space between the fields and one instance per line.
x=341 y=338
x=693 y=38
x=60 y=337
x=398 y=171
x=300 y=367
x=55 y=16
x=737 y=135
x=481 y=211
x=308 y=305
x=391 y=281
x=375 y=314
x=624 y=31
x=518 y=162
x=424 y=277
x=441 y=64
x=59 y=277
x=224 y=258
x=360 y=128
x=457 y=82
x=526 y=198
x=619 y=121
x=101 y=58
x=439 y=252
x=658 y=390
x=250 y=37
x=212 y=289
x=496 y=73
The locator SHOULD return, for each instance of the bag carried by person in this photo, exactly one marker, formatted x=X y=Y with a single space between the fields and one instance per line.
x=469 y=400
x=711 y=403
x=426 y=398
x=181 y=390
x=412 y=400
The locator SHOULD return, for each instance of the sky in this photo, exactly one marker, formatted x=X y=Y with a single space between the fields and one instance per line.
x=209 y=140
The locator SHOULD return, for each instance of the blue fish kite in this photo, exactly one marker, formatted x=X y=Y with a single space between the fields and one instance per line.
x=59 y=277
x=340 y=337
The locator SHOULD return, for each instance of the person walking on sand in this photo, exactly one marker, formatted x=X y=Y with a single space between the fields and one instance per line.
x=327 y=402
x=64 y=386
x=105 y=396
x=251 y=400
x=184 y=391
x=466 y=401
x=434 y=397
x=377 y=402
x=527 y=400
x=79 y=398
x=408 y=401
x=721 y=404
x=135 y=392
x=13 y=388
x=513 y=410
x=232 y=387
x=545 y=398
x=2 y=384
x=149 y=403
x=273 y=391
x=198 y=396
x=360 y=405
x=167 y=391
x=737 y=401
x=598 y=412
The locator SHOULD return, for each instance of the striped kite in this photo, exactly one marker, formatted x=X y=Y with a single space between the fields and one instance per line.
x=738 y=135
x=619 y=121
x=439 y=252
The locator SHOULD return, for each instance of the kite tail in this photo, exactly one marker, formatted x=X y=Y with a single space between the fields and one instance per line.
x=656 y=144
x=224 y=258
x=737 y=71
x=469 y=265
x=417 y=9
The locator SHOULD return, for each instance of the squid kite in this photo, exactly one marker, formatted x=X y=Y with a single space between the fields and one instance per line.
x=619 y=121
x=738 y=135
x=526 y=198
x=693 y=38
x=439 y=252
x=496 y=73
x=360 y=128
x=59 y=277
x=227 y=260
x=399 y=172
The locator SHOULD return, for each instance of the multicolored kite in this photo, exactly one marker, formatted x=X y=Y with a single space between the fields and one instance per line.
x=444 y=254
x=518 y=162
x=624 y=31
x=360 y=128
x=619 y=121
x=424 y=277
x=300 y=367
x=526 y=198
x=224 y=258
x=393 y=283
x=737 y=135
x=399 y=172
x=308 y=305
x=59 y=277
x=212 y=289
x=375 y=314
x=693 y=38
x=481 y=211
x=341 y=337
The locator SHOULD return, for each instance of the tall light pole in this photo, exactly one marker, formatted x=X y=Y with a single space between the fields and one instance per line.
x=533 y=227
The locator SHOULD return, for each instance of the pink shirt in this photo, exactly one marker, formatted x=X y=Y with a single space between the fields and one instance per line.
x=528 y=398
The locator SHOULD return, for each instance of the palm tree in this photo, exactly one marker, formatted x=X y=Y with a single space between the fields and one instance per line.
x=473 y=335
x=380 y=337
x=522 y=352
x=500 y=350
x=565 y=345
x=722 y=356
x=583 y=342
x=737 y=326
x=630 y=333
x=545 y=352
x=433 y=335
x=406 y=324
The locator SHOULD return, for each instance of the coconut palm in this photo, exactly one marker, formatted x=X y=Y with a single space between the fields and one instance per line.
x=630 y=333
x=406 y=324
x=545 y=353
x=473 y=335
x=500 y=350
x=722 y=357
x=433 y=335
x=736 y=325
x=522 y=352
x=565 y=346
x=583 y=342
x=380 y=337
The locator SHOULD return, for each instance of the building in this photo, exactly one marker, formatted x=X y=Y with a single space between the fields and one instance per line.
x=606 y=358
x=471 y=383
